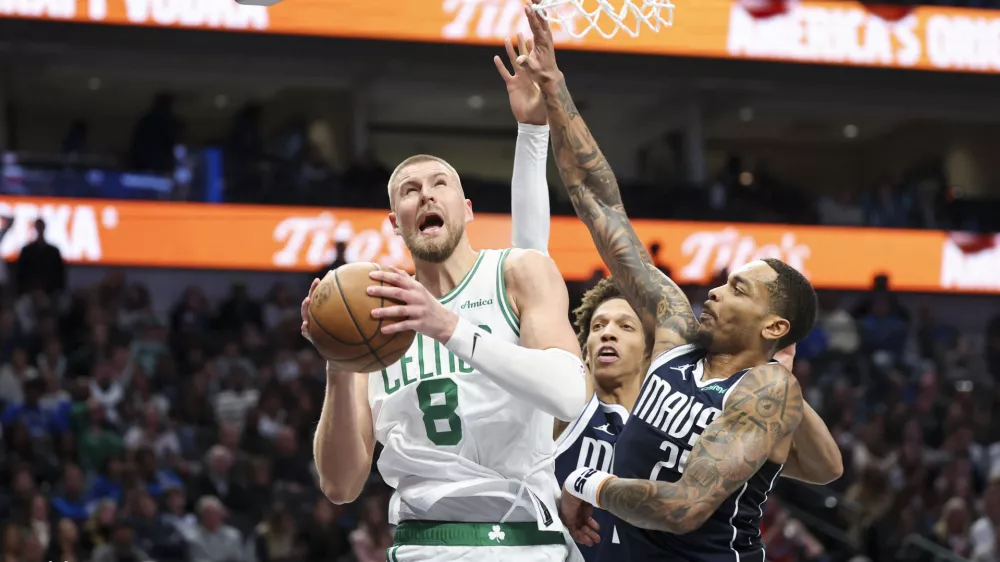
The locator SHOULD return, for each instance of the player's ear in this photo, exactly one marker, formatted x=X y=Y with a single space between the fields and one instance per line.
x=394 y=223
x=468 y=211
x=775 y=328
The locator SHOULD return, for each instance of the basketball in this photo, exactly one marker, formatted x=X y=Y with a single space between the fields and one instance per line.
x=341 y=325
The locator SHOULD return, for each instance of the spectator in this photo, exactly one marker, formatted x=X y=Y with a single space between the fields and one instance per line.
x=155 y=135
x=952 y=529
x=42 y=424
x=39 y=523
x=13 y=543
x=276 y=537
x=232 y=404
x=238 y=309
x=289 y=470
x=216 y=479
x=153 y=535
x=281 y=308
x=326 y=531
x=99 y=527
x=72 y=502
x=14 y=374
x=122 y=547
x=176 y=514
x=40 y=265
x=98 y=440
x=150 y=432
x=32 y=550
x=65 y=547
x=374 y=535
x=213 y=540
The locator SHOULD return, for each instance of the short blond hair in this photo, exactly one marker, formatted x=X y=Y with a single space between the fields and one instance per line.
x=417 y=159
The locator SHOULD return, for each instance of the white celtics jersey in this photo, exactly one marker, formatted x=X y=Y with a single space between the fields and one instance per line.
x=456 y=445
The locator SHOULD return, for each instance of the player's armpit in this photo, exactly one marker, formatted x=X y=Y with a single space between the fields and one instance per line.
x=662 y=306
x=764 y=409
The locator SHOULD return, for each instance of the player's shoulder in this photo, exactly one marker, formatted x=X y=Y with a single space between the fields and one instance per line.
x=526 y=257
x=524 y=267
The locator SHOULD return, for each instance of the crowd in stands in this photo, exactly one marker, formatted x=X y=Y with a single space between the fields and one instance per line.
x=132 y=434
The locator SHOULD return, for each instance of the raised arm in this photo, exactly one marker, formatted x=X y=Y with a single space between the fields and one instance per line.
x=761 y=414
x=529 y=190
x=662 y=306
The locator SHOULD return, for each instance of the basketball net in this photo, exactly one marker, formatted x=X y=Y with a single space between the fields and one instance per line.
x=630 y=17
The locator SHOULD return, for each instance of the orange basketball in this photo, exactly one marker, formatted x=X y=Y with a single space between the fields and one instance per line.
x=342 y=327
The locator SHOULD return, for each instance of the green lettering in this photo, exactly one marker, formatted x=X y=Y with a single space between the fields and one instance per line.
x=385 y=381
x=451 y=362
x=402 y=367
x=437 y=357
x=485 y=328
x=420 y=358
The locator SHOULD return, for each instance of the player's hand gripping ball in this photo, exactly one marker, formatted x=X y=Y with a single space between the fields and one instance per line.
x=337 y=319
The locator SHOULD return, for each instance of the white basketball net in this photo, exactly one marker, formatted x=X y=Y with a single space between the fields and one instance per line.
x=630 y=17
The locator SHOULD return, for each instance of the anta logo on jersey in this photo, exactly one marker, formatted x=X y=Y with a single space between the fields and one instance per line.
x=468 y=305
x=426 y=359
x=678 y=416
x=595 y=453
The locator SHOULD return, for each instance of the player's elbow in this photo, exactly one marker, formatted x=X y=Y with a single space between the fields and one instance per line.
x=833 y=468
x=339 y=493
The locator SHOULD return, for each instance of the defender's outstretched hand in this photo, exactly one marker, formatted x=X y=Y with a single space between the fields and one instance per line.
x=525 y=98
x=540 y=63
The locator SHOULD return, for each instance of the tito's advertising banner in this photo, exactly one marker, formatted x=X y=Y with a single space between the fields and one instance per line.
x=190 y=235
x=830 y=32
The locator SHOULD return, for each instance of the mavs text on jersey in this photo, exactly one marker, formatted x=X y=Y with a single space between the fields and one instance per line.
x=673 y=409
x=589 y=442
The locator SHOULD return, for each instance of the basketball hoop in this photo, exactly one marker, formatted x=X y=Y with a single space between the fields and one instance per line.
x=629 y=18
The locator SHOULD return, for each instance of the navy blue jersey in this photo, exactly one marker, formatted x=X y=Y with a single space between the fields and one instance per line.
x=589 y=441
x=673 y=409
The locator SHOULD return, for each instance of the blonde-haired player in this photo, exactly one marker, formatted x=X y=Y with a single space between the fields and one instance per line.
x=466 y=416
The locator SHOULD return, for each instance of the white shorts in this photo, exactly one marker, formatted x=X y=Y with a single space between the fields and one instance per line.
x=429 y=541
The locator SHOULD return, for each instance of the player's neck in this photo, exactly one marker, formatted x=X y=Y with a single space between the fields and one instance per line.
x=724 y=365
x=440 y=278
x=623 y=394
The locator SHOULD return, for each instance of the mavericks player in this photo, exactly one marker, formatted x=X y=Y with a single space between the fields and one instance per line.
x=714 y=420
x=466 y=416
x=614 y=349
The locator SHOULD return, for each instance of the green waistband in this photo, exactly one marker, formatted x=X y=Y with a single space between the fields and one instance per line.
x=436 y=533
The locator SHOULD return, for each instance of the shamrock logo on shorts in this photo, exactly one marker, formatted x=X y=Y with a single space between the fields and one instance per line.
x=496 y=534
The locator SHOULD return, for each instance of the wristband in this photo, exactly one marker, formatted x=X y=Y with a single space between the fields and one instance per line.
x=586 y=483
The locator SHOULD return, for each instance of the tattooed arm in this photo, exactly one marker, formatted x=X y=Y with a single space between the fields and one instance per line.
x=761 y=414
x=662 y=306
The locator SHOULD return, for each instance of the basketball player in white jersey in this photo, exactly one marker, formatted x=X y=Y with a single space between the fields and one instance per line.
x=466 y=415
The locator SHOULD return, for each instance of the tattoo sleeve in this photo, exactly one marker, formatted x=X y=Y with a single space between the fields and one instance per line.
x=763 y=409
x=593 y=189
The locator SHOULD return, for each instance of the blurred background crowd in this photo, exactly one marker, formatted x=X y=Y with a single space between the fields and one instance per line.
x=133 y=431
x=168 y=415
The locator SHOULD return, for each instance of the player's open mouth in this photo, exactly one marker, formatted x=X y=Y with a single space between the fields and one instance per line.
x=607 y=354
x=430 y=223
